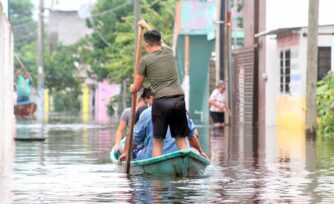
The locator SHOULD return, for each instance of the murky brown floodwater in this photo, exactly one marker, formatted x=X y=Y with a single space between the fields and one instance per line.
x=72 y=166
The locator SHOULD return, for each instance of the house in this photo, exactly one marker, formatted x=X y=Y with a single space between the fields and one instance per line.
x=288 y=71
x=66 y=27
x=261 y=88
x=195 y=44
x=195 y=22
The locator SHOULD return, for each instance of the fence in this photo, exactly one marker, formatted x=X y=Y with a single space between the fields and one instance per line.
x=243 y=86
x=7 y=119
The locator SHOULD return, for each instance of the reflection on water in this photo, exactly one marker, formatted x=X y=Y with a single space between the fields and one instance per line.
x=72 y=166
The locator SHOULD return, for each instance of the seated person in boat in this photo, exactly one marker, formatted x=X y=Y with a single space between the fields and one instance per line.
x=23 y=85
x=143 y=138
x=144 y=100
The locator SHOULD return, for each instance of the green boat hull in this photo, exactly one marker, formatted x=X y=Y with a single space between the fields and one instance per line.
x=182 y=163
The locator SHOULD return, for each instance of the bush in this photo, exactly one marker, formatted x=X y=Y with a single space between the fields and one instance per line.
x=113 y=105
x=325 y=105
x=66 y=101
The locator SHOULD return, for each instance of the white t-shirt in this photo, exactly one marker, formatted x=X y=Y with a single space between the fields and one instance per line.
x=218 y=97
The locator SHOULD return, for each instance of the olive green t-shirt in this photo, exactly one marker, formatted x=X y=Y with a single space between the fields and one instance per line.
x=159 y=68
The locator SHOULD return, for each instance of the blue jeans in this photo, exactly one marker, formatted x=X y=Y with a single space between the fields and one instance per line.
x=22 y=98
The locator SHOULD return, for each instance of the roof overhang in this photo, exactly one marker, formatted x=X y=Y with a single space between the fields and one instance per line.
x=279 y=31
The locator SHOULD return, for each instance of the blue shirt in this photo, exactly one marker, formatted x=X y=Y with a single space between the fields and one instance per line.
x=143 y=134
x=23 y=86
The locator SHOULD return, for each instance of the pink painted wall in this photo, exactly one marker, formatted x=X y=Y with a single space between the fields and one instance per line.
x=104 y=91
x=288 y=40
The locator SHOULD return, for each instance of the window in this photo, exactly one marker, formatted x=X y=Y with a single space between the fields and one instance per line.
x=324 y=61
x=285 y=71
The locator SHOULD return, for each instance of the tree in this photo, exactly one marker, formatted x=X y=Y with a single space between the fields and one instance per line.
x=325 y=105
x=113 y=40
x=112 y=44
x=24 y=27
x=61 y=67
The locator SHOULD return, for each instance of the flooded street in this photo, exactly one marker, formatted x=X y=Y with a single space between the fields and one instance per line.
x=72 y=166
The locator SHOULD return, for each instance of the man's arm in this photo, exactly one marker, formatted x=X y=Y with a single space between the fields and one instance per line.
x=142 y=23
x=19 y=71
x=194 y=142
x=216 y=104
x=119 y=134
x=139 y=133
x=139 y=80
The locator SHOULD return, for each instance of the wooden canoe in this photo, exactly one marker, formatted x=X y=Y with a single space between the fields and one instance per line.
x=25 y=110
x=182 y=163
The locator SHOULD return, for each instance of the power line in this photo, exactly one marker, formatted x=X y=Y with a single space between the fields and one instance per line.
x=98 y=32
x=113 y=9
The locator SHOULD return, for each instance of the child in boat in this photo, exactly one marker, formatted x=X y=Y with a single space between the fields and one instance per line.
x=143 y=138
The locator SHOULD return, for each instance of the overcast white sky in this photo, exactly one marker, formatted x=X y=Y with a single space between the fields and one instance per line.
x=290 y=13
x=280 y=13
x=64 y=4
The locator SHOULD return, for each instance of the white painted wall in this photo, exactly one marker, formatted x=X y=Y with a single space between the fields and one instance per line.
x=4 y=4
x=282 y=14
x=7 y=119
x=272 y=84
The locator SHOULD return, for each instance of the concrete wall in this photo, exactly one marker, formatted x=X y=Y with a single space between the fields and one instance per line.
x=104 y=92
x=7 y=119
x=4 y=4
x=66 y=27
x=295 y=101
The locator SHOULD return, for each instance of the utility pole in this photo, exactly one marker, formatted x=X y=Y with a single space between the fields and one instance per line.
x=40 y=61
x=256 y=66
x=221 y=40
x=311 y=73
x=227 y=53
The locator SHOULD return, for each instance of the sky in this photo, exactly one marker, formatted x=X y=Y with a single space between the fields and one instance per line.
x=64 y=4
x=280 y=13
x=290 y=13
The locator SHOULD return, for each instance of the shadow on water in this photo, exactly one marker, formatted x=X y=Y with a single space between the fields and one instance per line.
x=266 y=166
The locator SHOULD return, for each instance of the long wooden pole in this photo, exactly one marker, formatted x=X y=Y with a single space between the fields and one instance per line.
x=133 y=104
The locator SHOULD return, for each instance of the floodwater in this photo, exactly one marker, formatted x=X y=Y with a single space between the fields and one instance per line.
x=72 y=166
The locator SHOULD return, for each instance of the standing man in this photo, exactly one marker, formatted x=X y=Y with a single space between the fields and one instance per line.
x=168 y=109
x=23 y=85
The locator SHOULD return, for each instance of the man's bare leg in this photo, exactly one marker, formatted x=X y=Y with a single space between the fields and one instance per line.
x=181 y=142
x=158 y=145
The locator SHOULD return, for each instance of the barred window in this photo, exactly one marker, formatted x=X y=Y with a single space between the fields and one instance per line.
x=285 y=71
x=324 y=61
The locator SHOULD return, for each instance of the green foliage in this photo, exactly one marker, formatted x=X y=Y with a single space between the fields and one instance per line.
x=113 y=54
x=240 y=6
x=28 y=55
x=60 y=68
x=325 y=105
x=66 y=100
x=240 y=22
x=113 y=103
x=24 y=27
